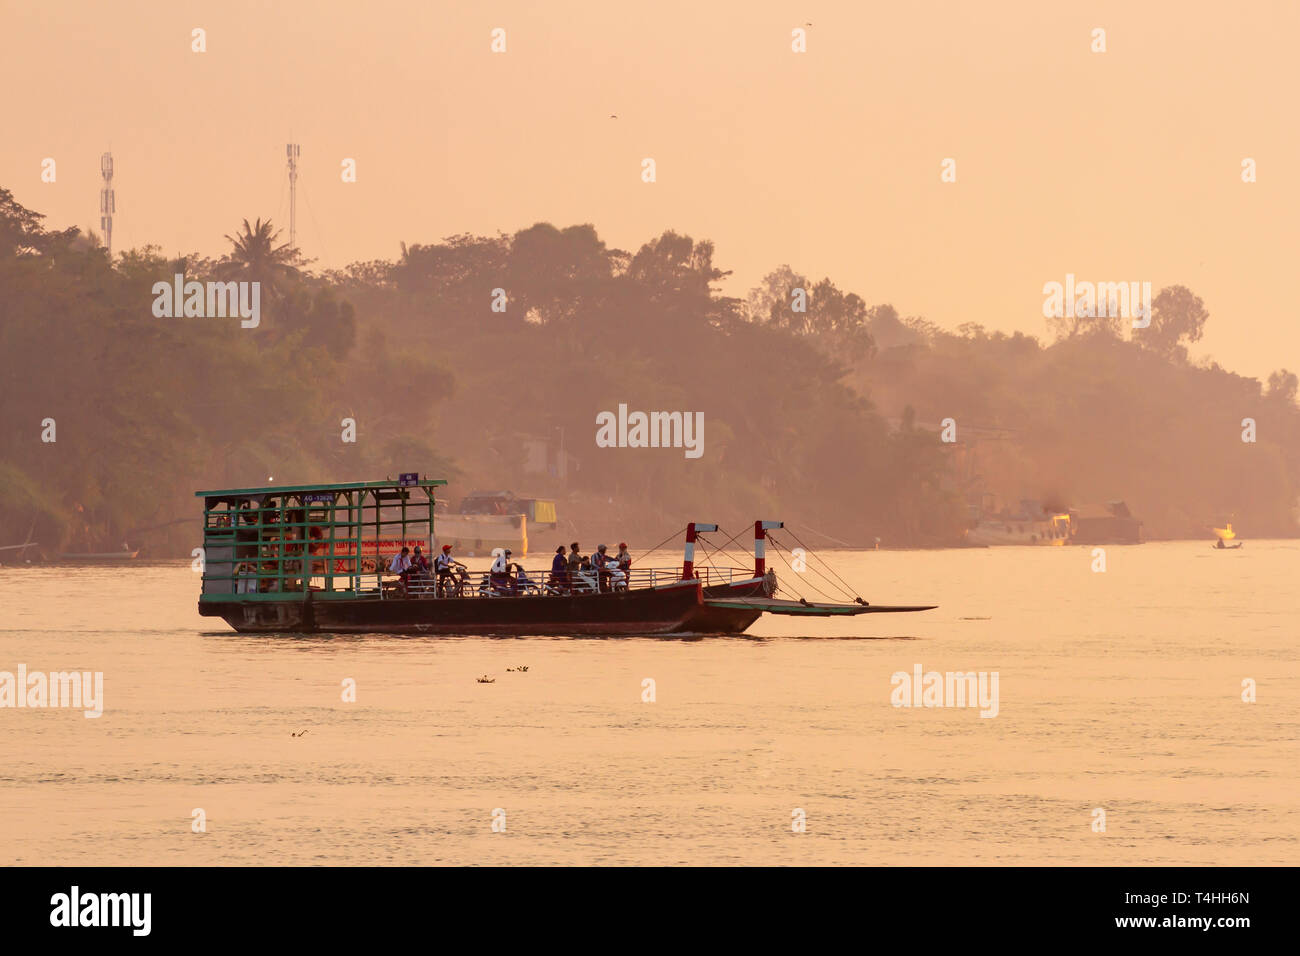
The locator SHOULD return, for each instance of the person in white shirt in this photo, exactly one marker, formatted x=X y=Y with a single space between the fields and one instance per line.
x=443 y=565
x=401 y=563
x=501 y=572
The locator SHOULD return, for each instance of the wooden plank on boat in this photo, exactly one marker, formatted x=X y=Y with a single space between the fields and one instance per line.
x=809 y=609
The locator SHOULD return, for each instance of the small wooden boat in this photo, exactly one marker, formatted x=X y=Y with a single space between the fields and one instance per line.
x=1225 y=534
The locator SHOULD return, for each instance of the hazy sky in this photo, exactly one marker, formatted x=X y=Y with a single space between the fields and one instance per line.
x=1123 y=165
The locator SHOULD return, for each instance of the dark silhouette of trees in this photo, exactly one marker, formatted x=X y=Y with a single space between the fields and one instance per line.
x=1282 y=386
x=1177 y=318
x=255 y=257
x=839 y=322
x=457 y=355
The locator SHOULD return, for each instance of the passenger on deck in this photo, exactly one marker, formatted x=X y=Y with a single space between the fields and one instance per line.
x=443 y=564
x=623 y=559
x=521 y=580
x=401 y=566
x=601 y=561
x=500 y=573
x=559 y=570
x=419 y=568
x=401 y=563
x=581 y=580
x=316 y=545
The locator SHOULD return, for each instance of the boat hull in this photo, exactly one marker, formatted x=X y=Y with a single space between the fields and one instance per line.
x=712 y=619
x=1033 y=533
x=652 y=611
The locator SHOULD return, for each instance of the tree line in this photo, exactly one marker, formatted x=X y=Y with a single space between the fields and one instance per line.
x=456 y=357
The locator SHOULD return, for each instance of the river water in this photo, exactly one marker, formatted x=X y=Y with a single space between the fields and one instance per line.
x=1118 y=691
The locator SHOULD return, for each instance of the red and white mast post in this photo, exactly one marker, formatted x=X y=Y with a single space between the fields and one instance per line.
x=761 y=528
x=688 y=562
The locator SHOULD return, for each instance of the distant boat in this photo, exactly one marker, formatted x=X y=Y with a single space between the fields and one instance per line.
x=1225 y=534
x=1021 y=529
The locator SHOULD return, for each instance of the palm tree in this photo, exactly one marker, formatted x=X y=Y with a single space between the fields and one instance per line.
x=257 y=258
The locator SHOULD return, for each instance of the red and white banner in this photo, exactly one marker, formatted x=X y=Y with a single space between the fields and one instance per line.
x=372 y=552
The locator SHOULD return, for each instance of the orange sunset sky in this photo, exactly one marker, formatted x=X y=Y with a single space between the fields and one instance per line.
x=1115 y=166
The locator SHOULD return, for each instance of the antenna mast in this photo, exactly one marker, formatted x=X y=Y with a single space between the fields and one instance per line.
x=107 y=202
x=293 y=151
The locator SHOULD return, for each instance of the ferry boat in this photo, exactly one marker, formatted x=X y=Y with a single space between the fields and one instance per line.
x=313 y=558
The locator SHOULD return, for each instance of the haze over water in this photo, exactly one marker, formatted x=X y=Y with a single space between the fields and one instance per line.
x=1119 y=690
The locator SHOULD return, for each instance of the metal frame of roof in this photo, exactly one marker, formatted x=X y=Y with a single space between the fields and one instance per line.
x=292 y=489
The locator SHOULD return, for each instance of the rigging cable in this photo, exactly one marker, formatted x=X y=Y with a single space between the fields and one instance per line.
x=847 y=587
x=709 y=557
x=733 y=601
x=730 y=540
x=830 y=583
x=661 y=543
x=779 y=550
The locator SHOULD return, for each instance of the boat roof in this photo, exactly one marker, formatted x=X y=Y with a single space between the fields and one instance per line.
x=345 y=486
